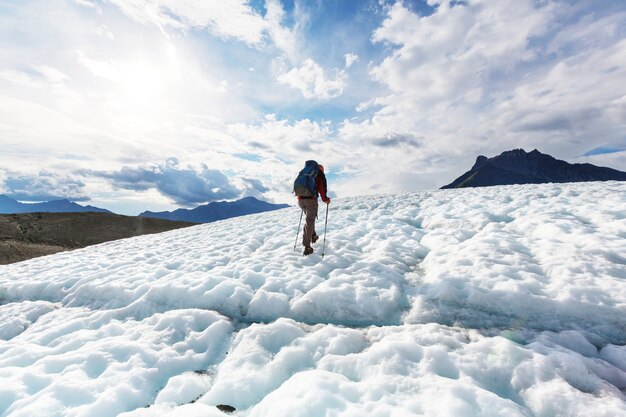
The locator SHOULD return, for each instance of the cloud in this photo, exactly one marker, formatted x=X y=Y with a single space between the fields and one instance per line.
x=440 y=70
x=185 y=186
x=39 y=77
x=86 y=3
x=44 y=186
x=284 y=38
x=313 y=82
x=614 y=159
x=256 y=185
x=485 y=76
x=108 y=70
x=350 y=59
x=458 y=47
x=600 y=150
x=614 y=147
x=582 y=94
x=543 y=122
x=394 y=140
x=281 y=137
x=228 y=19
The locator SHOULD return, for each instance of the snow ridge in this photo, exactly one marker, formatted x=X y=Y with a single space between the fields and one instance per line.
x=458 y=302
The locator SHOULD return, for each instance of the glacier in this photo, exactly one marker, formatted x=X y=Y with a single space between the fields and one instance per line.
x=496 y=301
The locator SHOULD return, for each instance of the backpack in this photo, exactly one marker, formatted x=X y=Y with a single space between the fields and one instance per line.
x=304 y=185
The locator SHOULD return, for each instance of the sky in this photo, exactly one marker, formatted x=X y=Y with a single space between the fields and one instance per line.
x=136 y=105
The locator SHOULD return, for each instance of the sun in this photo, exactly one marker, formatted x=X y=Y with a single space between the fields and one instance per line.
x=142 y=84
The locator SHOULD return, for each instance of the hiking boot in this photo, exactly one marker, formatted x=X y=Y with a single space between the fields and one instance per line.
x=314 y=238
x=307 y=251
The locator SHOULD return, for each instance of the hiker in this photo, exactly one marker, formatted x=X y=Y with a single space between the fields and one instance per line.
x=310 y=184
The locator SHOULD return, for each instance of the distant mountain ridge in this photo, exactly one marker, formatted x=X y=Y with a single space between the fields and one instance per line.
x=217 y=210
x=11 y=206
x=520 y=167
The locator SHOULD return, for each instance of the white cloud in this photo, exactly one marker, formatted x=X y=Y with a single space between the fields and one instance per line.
x=86 y=3
x=587 y=33
x=581 y=99
x=40 y=76
x=289 y=139
x=17 y=77
x=486 y=76
x=615 y=160
x=109 y=70
x=313 y=82
x=52 y=75
x=457 y=48
x=350 y=59
x=284 y=38
x=224 y=18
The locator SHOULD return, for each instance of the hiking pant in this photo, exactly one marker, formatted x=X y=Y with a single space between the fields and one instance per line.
x=309 y=207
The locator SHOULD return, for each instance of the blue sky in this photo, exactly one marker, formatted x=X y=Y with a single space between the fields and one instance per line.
x=135 y=104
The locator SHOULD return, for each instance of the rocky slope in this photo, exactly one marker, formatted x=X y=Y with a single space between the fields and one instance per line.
x=28 y=235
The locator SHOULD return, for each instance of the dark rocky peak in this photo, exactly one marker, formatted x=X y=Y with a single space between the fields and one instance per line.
x=520 y=167
x=480 y=161
x=520 y=161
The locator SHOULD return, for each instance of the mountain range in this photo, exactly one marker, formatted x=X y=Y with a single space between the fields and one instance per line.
x=11 y=206
x=217 y=210
x=520 y=167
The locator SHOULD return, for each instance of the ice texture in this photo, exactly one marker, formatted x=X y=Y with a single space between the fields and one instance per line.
x=489 y=301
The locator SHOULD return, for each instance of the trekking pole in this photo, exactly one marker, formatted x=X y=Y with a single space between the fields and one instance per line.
x=325 y=224
x=294 y=245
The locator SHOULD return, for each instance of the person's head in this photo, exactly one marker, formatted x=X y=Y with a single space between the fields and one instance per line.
x=321 y=167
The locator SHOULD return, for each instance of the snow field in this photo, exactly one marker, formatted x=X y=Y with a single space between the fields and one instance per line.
x=245 y=269
x=486 y=302
x=545 y=257
x=289 y=369
x=79 y=362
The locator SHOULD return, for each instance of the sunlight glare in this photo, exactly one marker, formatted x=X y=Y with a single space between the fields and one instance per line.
x=142 y=85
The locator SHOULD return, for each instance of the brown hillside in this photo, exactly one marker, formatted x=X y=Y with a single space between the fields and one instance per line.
x=25 y=236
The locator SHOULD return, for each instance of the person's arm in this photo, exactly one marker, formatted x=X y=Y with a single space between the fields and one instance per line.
x=322 y=188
